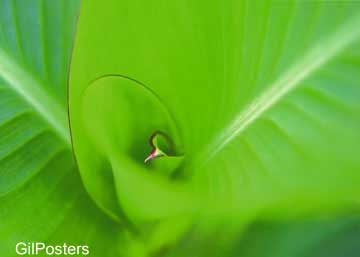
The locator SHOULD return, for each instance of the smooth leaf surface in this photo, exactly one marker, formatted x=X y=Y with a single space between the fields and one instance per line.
x=264 y=96
x=260 y=100
x=266 y=116
x=42 y=197
x=308 y=238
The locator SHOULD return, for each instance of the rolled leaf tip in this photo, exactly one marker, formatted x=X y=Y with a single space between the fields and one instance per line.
x=155 y=140
x=155 y=153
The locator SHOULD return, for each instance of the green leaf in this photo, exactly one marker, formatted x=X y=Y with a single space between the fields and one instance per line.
x=264 y=98
x=320 y=237
x=261 y=97
x=42 y=197
x=260 y=101
x=312 y=238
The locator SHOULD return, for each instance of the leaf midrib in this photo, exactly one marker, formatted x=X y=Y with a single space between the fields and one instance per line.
x=32 y=91
x=319 y=55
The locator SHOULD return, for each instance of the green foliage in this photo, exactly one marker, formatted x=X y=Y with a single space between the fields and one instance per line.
x=42 y=197
x=259 y=100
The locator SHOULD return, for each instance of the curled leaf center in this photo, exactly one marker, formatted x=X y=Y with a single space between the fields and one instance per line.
x=161 y=146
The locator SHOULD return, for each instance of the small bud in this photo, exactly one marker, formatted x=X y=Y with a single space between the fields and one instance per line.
x=161 y=145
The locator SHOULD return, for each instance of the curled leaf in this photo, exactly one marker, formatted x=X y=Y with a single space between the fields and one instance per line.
x=161 y=146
